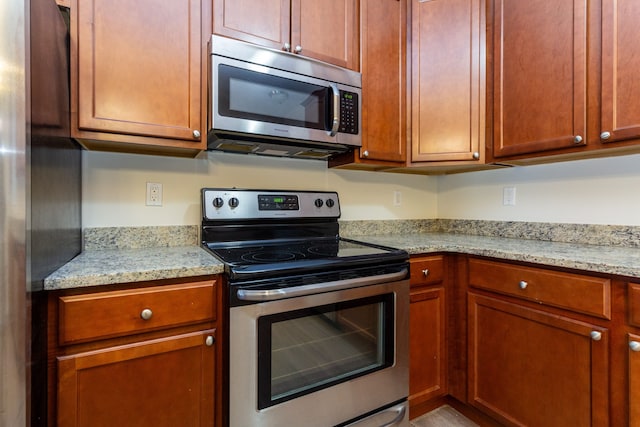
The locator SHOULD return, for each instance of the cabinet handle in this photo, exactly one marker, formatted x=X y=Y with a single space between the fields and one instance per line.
x=596 y=335
x=286 y=47
x=476 y=155
x=365 y=153
x=577 y=139
x=196 y=134
x=209 y=341
x=523 y=284
x=146 y=314
x=298 y=49
x=605 y=135
x=634 y=345
x=425 y=272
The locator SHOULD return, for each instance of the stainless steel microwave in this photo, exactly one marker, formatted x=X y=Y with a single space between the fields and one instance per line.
x=270 y=102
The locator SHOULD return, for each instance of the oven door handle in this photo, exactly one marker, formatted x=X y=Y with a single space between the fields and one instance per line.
x=398 y=419
x=316 y=288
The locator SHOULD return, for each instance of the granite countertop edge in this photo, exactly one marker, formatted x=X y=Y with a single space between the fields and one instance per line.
x=116 y=266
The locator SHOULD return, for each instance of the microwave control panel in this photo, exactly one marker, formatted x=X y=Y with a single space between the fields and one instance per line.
x=348 y=112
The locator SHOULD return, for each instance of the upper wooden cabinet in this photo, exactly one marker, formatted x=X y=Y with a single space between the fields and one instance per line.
x=326 y=30
x=448 y=81
x=564 y=77
x=383 y=39
x=539 y=75
x=620 y=64
x=138 y=75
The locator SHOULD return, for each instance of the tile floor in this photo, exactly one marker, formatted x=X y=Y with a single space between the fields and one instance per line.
x=444 y=416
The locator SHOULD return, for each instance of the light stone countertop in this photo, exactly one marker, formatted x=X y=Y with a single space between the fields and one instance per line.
x=112 y=266
x=614 y=260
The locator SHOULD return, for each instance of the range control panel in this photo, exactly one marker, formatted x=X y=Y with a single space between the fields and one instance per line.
x=234 y=204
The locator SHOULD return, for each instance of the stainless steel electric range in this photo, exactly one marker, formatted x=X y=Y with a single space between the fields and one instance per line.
x=318 y=324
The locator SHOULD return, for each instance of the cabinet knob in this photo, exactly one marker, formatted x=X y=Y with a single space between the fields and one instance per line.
x=634 y=345
x=425 y=272
x=577 y=139
x=298 y=49
x=476 y=155
x=605 y=135
x=365 y=153
x=146 y=314
x=523 y=284
x=286 y=47
x=196 y=134
x=209 y=341
x=596 y=335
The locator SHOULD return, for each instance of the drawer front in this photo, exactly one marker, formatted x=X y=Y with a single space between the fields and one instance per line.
x=634 y=304
x=116 y=313
x=575 y=292
x=427 y=270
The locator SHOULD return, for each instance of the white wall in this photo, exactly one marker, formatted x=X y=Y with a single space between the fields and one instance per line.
x=597 y=191
x=114 y=187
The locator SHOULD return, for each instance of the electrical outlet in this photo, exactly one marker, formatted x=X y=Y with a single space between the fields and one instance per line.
x=154 y=194
x=397 y=198
x=509 y=196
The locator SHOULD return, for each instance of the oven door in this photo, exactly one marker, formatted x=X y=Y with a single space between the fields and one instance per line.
x=320 y=360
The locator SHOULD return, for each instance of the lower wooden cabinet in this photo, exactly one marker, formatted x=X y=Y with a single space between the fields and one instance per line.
x=634 y=380
x=528 y=367
x=148 y=355
x=164 y=382
x=427 y=361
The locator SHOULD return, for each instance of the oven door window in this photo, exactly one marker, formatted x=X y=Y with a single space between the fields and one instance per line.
x=251 y=95
x=306 y=350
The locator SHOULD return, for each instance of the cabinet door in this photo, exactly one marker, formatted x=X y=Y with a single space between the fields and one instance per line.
x=384 y=80
x=165 y=382
x=326 y=30
x=448 y=89
x=138 y=68
x=620 y=64
x=539 y=81
x=634 y=380
x=262 y=22
x=531 y=368
x=427 y=345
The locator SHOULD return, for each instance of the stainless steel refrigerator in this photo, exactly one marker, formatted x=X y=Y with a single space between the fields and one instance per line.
x=40 y=196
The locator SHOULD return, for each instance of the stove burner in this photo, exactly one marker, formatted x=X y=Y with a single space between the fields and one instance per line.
x=268 y=256
x=327 y=250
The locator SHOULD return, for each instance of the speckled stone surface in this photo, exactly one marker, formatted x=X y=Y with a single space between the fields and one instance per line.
x=111 y=266
x=132 y=254
x=616 y=260
x=589 y=234
x=139 y=237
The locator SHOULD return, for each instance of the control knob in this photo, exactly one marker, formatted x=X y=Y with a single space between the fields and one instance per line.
x=218 y=202
x=318 y=203
x=234 y=202
x=330 y=203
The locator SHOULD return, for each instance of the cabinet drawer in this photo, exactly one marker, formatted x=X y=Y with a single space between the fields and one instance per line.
x=117 y=313
x=427 y=271
x=575 y=292
x=634 y=304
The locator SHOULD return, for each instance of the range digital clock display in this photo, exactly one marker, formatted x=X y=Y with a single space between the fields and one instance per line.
x=268 y=202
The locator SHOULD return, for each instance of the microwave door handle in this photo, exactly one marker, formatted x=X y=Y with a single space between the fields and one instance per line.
x=335 y=111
